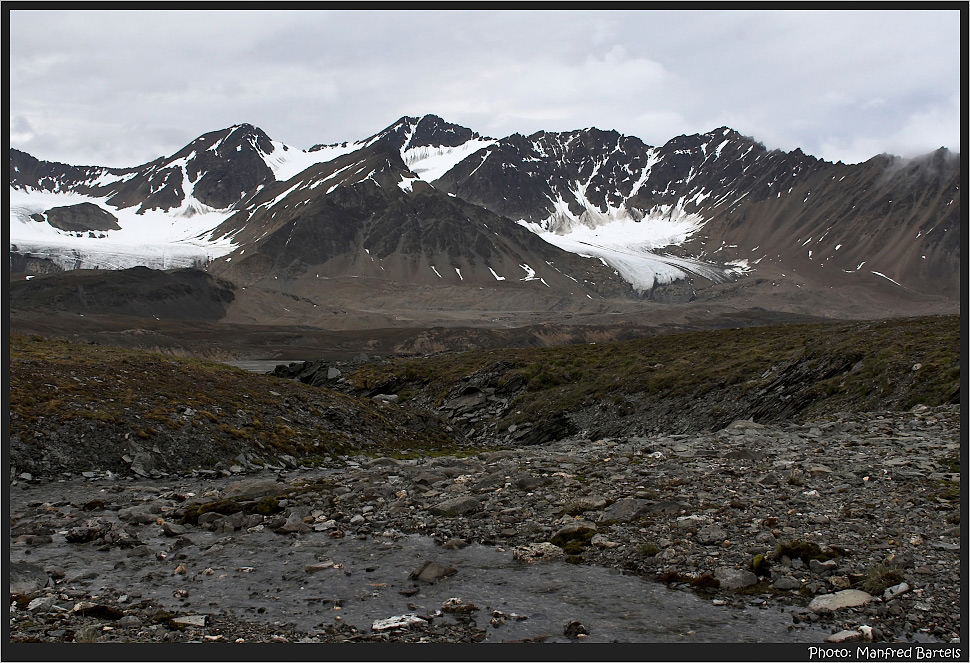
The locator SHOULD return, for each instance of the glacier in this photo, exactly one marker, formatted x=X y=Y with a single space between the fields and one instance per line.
x=153 y=238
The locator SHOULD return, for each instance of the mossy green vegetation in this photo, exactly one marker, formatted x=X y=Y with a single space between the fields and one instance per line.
x=673 y=382
x=880 y=577
x=829 y=366
x=760 y=566
x=804 y=550
x=573 y=542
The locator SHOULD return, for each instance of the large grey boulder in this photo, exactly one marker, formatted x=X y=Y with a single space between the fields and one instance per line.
x=457 y=506
x=82 y=217
x=625 y=510
x=735 y=578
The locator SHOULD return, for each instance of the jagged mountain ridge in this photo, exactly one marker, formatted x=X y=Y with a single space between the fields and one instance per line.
x=217 y=169
x=709 y=205
x=733 y=200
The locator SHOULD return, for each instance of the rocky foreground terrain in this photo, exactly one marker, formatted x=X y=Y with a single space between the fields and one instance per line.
x=781 y=484
x=844 y=528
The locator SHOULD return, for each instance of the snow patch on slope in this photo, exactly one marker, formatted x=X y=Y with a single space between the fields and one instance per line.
x=430 y=163
x=406 y=184
x=287 y=162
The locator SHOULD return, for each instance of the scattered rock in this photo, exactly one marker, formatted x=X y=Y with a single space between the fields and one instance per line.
x=575 y=630
x=294 y=524
x=896 y=590
x=578 y=529
x=456 y=606
x=398 y=621
x=190 y=620
x=625 y=510
x=537 y=551
x=172 y=529
x=688 y=507
x=41 y=603
x=712 y=535
x=786 y=583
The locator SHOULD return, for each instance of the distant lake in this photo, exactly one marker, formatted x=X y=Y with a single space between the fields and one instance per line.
x=258 y=365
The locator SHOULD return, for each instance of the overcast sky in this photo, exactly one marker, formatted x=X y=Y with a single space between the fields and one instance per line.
x=120 y=88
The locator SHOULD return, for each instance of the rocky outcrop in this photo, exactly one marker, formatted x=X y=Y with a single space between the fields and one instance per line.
x=82 y=218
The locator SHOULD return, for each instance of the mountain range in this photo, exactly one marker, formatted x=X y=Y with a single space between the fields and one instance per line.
x=426 y=214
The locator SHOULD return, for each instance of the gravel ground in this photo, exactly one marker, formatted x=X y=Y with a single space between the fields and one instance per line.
x=846 y=529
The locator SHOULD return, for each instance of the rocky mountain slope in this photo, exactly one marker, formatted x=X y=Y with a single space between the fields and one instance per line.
x=215 y=170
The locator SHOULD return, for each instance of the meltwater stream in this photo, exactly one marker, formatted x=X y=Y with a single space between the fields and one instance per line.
x=264 y=577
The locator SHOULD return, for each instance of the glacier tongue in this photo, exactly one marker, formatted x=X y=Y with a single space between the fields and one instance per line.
x=629 y=244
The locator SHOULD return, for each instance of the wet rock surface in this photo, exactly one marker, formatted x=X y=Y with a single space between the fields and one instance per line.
x=754 y=533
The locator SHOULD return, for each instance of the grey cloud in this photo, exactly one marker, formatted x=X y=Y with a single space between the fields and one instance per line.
x=833 y=83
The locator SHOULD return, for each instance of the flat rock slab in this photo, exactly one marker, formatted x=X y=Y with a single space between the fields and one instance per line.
x=624 y=510
x=25 y=577
x=787 y=582
x=847 y=598
x=844 y=636
x=255 y=488
x=398 y=621
x=190 y=620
